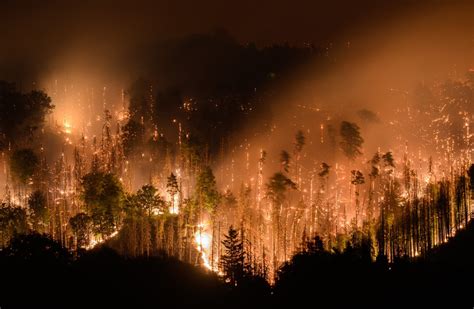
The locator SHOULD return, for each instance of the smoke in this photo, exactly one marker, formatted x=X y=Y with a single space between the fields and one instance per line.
x=374 y=53
x=377 y=70
x=110 y=36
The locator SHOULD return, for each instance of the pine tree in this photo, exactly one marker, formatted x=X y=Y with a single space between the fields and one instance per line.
x=299 y=144
x=232 y=261
x=172 y=188
x=351 y=140
x=357 y=179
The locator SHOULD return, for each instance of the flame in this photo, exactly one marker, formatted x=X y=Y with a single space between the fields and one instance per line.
x=67 y=128
x=95 y=241
x=203 y=241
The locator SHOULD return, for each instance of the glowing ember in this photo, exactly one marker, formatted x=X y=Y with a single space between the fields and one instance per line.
x=95 y=240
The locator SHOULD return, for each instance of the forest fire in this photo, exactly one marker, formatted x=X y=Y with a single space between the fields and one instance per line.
x=346 y=156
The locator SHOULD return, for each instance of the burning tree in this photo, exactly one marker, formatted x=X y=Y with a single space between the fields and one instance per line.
x=276 y=191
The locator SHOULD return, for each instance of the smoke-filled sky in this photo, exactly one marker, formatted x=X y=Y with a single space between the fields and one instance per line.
x=60 y=22
x=373 y=46
x=44 y=35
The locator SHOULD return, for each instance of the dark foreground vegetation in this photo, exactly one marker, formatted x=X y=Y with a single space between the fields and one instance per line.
x=36 y=272
x=350 y=279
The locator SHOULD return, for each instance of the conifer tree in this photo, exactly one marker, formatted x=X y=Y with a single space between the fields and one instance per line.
x=232 y=261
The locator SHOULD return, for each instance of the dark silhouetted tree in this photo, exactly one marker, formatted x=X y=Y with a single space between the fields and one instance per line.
x=13 y=220
x=172 y=188
x=37 y=248
x=277 y=188
x=81 y=225
x=133 y=134
x=148 y=200
x=37 y=204
x=357 y=179
x=24 y=164
x=21 y=114
x=232 y=261
x=351 y=142
x=103 y=196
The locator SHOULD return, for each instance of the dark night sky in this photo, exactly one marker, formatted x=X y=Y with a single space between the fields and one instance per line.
x=261 y=21
x=33 y=32
x=58 y=22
